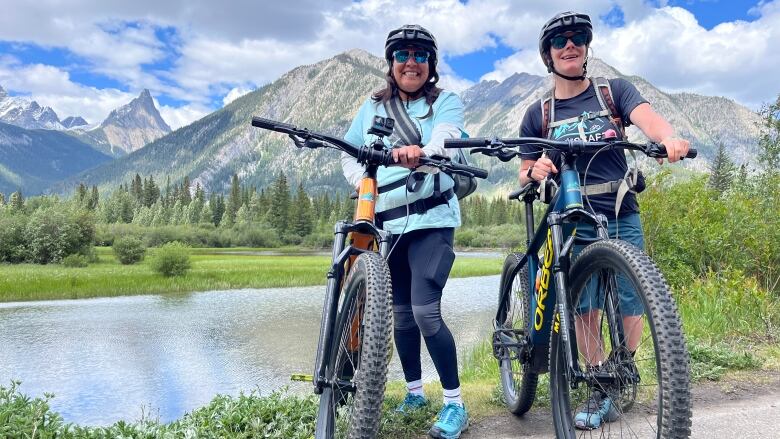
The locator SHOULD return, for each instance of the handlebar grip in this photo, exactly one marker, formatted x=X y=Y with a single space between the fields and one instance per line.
x=465 y=143
x=269 y=124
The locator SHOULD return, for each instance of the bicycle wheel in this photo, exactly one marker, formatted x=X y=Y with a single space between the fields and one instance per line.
x=351 y=405
x=642 y=373
x=518 y=382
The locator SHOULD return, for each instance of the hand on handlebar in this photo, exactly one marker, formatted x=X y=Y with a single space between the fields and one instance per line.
x=676 y=149
x=408 y=156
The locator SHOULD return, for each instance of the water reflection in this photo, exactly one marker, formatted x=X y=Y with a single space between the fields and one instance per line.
x=107 y=359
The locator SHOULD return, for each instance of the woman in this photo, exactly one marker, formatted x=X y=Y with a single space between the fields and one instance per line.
x=422 y=254
x=578 y=113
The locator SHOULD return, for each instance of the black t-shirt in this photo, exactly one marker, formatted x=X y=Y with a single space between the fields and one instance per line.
x=608 y=165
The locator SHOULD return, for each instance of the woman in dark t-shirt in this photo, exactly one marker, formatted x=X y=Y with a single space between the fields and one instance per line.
x=563 y=46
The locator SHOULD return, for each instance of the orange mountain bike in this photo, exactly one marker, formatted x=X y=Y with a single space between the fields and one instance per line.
x=350 y=369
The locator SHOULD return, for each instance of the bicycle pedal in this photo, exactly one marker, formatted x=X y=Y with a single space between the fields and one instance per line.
x=301 y=377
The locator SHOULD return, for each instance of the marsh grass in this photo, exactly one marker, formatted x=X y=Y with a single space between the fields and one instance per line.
x=212 y=269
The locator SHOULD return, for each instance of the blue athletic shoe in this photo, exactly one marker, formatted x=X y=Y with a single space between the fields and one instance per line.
x=412 y=402
x=453 y=420
x=598 y=409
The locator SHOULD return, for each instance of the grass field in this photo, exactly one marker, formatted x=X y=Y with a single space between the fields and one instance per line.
x=212 y=269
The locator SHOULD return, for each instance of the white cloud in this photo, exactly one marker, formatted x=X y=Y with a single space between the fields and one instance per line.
x=235 y=93
x=209 y=52
x=177 y=117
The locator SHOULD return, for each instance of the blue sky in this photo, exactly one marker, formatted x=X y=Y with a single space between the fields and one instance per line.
x=90 y=57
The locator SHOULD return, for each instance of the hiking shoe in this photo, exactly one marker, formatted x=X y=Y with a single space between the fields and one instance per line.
x=453 y=420
x=412 y=402
x=596 y=410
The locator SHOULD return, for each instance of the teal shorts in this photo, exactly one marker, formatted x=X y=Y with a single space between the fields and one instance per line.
x=630 y=229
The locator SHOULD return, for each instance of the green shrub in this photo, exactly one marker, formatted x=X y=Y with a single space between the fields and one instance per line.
x=12 y=241
x=129 y=250
x=172 y=259
x=75 y=261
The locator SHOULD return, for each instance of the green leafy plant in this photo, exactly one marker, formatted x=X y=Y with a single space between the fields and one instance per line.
x=172 y=259
x=128 y=250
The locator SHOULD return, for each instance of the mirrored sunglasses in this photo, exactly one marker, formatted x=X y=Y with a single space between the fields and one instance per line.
x=420 y=56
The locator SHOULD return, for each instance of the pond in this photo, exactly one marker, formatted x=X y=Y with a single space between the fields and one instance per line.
x=110 y=359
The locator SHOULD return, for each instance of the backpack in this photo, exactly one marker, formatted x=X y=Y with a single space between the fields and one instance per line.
x=464 y=185
x=633 y=181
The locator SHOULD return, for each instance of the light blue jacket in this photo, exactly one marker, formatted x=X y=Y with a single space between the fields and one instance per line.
x=445 y=122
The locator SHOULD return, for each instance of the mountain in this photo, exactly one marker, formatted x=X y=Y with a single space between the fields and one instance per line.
x=127 y=128
x=32 y=160
x=27 y=113
x=326 y=95
x=73 y=122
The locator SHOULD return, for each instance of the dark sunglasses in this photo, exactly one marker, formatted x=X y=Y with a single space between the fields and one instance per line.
x=420 y=56
x=559 y=41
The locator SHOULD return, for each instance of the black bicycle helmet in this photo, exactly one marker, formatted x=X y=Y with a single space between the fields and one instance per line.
x=411 y=34
x=563 y=22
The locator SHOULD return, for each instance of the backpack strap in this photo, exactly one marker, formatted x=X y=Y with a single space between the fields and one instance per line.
x=607 y=102
x=548 y=113
x=407 y=130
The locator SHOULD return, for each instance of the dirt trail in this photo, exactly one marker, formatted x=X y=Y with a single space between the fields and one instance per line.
x=728 y=409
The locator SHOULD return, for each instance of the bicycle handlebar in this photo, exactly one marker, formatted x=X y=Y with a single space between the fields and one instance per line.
x=363 y=154
x=502 y=148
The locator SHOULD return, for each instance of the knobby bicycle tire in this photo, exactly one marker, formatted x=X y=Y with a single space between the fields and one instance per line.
x=359 y=357
x=651 y=390
x=518 y=382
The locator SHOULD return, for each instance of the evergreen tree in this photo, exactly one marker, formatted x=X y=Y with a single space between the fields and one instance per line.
x=94 y=198
x=151 y=192
x=81 y=194
x=200 y=194
x=302 y=213
x=185 y=191
x=2 y=199
x=234 y=199
x=218 y=209
x=722 y=170
x=280 y=205
x=137 y=189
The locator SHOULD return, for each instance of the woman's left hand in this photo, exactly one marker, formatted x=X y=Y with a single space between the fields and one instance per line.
x=408 y=156
x=676 y=149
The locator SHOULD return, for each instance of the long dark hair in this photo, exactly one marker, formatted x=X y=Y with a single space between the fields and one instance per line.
x=429 y=90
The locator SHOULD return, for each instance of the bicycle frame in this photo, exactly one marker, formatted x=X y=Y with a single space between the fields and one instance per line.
x=365 y=236
x=556 y=234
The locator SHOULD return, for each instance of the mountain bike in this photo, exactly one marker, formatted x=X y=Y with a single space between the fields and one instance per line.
x=547 y=303
x=354 y=342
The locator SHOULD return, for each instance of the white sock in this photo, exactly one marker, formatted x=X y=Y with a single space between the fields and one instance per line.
x=415 y=388
x=453 y=396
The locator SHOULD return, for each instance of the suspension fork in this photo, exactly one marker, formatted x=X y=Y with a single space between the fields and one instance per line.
x=330 y=307
x=562 y=318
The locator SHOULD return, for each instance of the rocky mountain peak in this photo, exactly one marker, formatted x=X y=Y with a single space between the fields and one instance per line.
x=132 y=126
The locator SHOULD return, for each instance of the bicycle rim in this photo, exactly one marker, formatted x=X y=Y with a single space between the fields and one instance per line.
x=518 y=383
x=350 y=406
x=643 y=371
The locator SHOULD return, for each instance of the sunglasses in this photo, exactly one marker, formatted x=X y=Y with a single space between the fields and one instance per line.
x=420 y=56
x=559 y=41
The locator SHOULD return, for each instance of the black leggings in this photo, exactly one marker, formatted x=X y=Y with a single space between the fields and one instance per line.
x=419 y=267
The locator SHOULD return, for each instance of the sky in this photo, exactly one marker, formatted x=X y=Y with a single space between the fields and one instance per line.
x=87 y=57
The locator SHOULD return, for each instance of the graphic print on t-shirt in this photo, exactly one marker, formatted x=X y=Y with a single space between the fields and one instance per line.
x=588 y=130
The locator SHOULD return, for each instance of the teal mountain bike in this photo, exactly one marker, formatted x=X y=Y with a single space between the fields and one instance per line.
x=566 y=316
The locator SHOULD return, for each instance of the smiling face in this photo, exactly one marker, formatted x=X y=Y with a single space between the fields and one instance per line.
x=570 y=59
x=410 y=75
